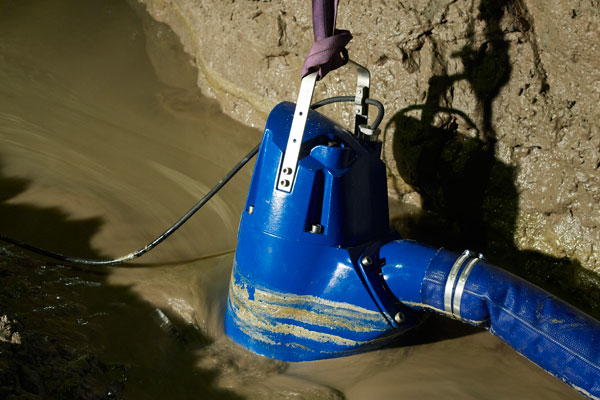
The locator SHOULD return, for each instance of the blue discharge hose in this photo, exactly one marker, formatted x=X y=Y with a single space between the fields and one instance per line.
x=549 y=332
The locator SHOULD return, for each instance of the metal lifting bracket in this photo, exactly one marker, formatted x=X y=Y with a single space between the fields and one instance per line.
x=289 y=166
x=363 y=84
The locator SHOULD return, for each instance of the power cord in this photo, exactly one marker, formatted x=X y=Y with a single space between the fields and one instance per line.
x=350 y=99
x=192 y=211
x=152 y=244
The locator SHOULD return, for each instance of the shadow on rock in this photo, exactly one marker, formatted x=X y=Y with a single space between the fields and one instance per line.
x=469 y=198
x=66 y=333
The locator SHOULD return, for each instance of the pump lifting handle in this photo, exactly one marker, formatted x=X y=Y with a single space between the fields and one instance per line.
x=289 y=166
x=327 y=53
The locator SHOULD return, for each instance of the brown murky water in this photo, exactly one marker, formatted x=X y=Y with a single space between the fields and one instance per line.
x=105 y=141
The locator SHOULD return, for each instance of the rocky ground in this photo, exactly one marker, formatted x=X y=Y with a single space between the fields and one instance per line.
x=492 y=132
x=44 y=352
x=67 y=333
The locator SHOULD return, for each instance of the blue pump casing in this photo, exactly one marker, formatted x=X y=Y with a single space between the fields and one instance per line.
x=317 y=273
x=298 y=291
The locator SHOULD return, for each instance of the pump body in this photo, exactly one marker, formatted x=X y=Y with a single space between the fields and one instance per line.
x=318 y=274
x=297 y=292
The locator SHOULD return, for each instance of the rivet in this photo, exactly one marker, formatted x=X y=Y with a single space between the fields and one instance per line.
x=285 y=183
x=287 y=171
x=316 y=228
x=366 y=261
x=399 y=317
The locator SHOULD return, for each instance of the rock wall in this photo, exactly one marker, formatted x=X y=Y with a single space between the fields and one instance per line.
x=492 y=132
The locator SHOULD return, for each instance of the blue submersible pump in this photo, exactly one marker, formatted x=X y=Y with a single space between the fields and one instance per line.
x=318 y=273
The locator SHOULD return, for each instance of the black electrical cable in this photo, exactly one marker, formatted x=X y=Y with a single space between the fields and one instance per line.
x=152 y=244
x=346 y=99
x=331 y=100
x=193 y=210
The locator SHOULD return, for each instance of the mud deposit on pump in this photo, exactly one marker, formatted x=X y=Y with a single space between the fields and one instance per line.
x=105 y=141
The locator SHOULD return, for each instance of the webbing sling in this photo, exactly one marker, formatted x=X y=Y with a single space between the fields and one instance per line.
x=327 y=53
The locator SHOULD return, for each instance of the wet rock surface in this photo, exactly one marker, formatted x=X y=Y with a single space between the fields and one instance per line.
x=492 y=133
x=73 y=335
x=7 y=331
x=40 y=355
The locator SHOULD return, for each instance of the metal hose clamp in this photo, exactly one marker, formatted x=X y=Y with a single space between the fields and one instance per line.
x=457 y=280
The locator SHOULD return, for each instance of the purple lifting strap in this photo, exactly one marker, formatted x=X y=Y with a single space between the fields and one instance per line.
x=326 y=52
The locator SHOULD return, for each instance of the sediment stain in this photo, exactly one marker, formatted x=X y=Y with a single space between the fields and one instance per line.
x=263 y=313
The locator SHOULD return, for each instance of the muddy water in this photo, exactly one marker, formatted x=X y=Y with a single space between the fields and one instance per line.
x=105 y=141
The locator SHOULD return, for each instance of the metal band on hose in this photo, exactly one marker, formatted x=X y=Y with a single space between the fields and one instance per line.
x=456 y=281
x=460 y=286
x=452 y=279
